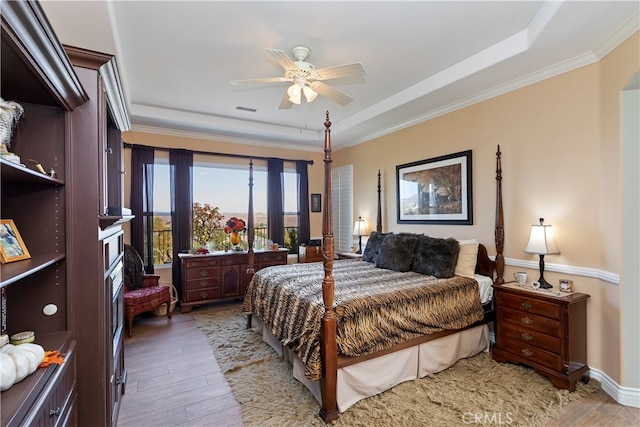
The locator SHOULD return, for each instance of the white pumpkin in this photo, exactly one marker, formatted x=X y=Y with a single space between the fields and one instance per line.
x=18 y=361
x=7 y=371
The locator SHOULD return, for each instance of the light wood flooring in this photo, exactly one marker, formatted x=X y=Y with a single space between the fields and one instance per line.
x=174 y=380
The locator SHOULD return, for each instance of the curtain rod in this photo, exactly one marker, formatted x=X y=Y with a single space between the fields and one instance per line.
x=241 y=156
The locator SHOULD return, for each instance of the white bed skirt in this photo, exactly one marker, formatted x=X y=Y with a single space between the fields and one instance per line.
x=372 y=377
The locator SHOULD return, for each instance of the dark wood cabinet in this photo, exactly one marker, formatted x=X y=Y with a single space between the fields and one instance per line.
x=73 y=118
x=545 y=331
x=221 y=276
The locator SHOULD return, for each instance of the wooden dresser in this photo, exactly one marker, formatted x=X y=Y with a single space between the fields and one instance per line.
x=221 y=276
x=544 y=331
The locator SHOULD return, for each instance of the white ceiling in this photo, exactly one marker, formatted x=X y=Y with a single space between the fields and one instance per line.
x=422 y=59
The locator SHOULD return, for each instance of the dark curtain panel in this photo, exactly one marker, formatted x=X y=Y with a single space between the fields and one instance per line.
x=304 y=229
x=181 y=162
x=275 y=205
x=141 y=203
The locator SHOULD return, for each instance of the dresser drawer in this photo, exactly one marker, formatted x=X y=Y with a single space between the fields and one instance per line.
x=207 y=282
x=534 y=354
x=530 y=321
x=203 y=294
x=527 y=336
x=530 y=305
x=201 y=273
x=202 y=262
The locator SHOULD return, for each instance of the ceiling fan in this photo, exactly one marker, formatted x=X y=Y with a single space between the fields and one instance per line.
x=306 y=79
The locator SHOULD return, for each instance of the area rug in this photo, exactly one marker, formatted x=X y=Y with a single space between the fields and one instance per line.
x=473 y=391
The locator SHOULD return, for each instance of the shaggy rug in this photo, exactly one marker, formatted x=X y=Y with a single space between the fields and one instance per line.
x=473 y=391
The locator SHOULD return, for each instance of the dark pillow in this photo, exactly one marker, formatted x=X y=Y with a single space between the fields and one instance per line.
x=373 y=246
x=397 y=251
x=436 y=257
x=133 y=268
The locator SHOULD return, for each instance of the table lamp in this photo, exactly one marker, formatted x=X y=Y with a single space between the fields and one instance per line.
x=360 y=229
x=541 y=242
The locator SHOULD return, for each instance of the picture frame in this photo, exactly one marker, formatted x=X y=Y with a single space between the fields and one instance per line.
x=12 y=248
x=436 y=190
x=316 y=202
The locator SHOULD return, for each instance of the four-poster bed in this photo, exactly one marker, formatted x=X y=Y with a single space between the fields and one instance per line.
x=366 y=319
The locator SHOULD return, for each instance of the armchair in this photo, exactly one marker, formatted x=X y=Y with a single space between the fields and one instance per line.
x=142 y=292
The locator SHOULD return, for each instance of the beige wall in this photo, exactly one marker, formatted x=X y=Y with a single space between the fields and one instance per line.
x=561 y=160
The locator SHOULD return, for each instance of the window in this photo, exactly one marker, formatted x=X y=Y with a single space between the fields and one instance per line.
x=342 y=207
x=221 y=190
x=162 y=242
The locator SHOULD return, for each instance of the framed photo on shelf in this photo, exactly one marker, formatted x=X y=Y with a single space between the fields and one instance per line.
x=316 y=202
x=12 y=248
x=435 y=191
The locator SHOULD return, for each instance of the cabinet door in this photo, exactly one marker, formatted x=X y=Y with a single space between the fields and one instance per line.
x=231 y=280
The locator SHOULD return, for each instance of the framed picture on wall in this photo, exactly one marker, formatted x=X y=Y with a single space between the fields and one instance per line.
x=435 y=191
x=316 y=203
x=12 y=248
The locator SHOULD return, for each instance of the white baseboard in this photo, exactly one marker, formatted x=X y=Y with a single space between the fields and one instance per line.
x=623 y=395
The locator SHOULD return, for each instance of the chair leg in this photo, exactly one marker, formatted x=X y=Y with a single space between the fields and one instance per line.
x=130 y=324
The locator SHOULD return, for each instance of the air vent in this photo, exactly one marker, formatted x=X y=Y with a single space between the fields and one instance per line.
x=251 y=110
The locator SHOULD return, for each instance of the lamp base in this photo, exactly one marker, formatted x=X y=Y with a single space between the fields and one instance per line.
x=544 y=284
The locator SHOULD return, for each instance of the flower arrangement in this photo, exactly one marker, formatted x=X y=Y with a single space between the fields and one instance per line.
x=235 y=225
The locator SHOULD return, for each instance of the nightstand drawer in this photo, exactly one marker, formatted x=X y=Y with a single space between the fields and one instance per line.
x=529 y=337
x=530 y=321
x=534 y=354
x=530 y=305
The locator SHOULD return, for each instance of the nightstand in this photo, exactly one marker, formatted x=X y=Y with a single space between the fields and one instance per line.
x=348 y=255
x=544 y=331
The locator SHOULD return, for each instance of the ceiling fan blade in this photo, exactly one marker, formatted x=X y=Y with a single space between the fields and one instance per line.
x=339 y=71
x=285 y=104
x=264 y=80
x=283 y=59
x=331 y=93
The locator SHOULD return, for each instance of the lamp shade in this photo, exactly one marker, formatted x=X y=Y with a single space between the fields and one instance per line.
x=309 y=93
x=541 y=240
x=360 y=227
x=294 y=92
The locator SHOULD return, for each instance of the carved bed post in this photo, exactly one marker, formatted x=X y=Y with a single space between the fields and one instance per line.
x=250 y=233
x=499 y=231
x=379 y=218
x=250 y=226
x=328 y=344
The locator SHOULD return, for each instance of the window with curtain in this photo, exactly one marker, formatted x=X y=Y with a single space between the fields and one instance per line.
x=342 y=207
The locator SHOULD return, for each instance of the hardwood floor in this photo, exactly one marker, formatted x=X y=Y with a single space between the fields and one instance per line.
x=174 y=380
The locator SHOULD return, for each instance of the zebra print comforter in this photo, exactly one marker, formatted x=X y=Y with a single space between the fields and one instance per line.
x=375 y=308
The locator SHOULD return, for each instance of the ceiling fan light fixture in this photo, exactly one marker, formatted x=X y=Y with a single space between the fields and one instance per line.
x=295 y=93
x=309 y=93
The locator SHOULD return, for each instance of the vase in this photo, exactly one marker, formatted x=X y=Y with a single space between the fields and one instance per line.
x=234 y=238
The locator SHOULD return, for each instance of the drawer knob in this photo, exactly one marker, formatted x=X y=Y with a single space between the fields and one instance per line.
x=203 y=294
x=203 y=283
x=526 y=305
x=527 y=352
x=120 y=380
x=527 y=321
x=54 y=412
x=526 y=336
x=204 y=273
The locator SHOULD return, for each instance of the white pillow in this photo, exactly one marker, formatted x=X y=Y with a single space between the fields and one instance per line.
x=467 y=258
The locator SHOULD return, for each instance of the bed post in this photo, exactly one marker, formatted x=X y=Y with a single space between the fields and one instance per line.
x=499 y=231
x=379 y=219
x=250 y=233
x=328 y=344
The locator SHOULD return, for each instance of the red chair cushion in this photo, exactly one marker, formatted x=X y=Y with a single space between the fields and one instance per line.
x=144 y=296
